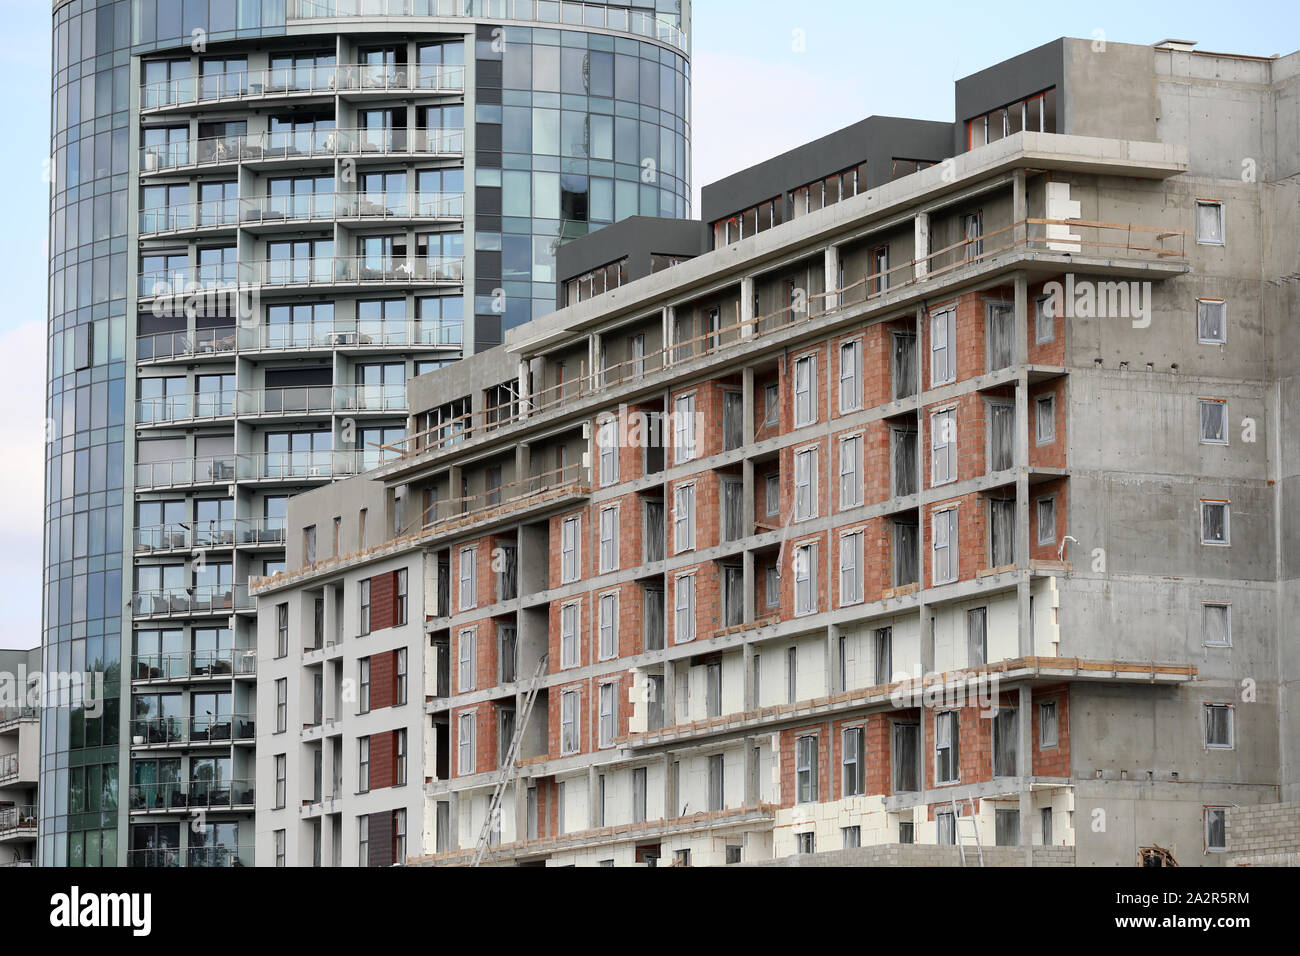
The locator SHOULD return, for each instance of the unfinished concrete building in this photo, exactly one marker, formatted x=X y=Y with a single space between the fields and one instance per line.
x=932 y=492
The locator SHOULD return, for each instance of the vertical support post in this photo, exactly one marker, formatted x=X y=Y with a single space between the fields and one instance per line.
x=921 y=238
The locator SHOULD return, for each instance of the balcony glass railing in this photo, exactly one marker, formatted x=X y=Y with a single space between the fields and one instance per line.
x=168 y=857
x=200 y=599
x=192 y=795
x=301 y=81
x=305 y=207
x=174 y=408
x=183 y=217
x=176 y=536
x=206 y=729
x=294 y=400
x=8 y=767
x=301 y=144
x=216 y=663
x=260 y=531
x=299 y=464
x=17 y=820
x=9 y=714
x=567 y=13
x=184 y=472
x=324 y=270
x=370 y=398
x=165 y=345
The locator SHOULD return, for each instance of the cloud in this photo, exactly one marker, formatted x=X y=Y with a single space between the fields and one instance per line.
x=22 y=480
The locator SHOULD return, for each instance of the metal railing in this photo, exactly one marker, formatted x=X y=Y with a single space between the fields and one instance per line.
x=184 y=472
x=260 y=531
x=200 y=599
x=434 y=333
x=10 y=714
x=206 y=729
x=17 y=819
x=191 y=795
x=8 y=766
x=304 y=271
x=270 y=210
x=217 y=663
x=301 y=144
x=278 y=82
x=177 y=536
x=565 y=13
x=165 y=345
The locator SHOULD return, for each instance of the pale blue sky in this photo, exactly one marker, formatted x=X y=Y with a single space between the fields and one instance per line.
x=756 y=95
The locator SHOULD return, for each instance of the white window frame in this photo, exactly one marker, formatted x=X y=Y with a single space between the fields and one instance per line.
x=609 y=539
x=1227 y=526
x=282 y=705
x=1048 y=503
x=805 y=392
x=363 y=685
x=850 y=472
x=608 y=722
x=363 y=764
x=1221 y=405
x=1220 y=812
x=951 y=722
x=951 y=558
x=945 y=451
x=943 y=364
x=467 y=578
x=1044 y=742
x=684 y=517
x=857 y=734
x=684 y=608
x=1232 y=726
x=804 y=579
x=281 y=781
x=1045 y=419
x=570 y=737
x=466 y=734
x=1223 y=222
x=466 y=660
x=852 y=548
x=1222 y=305
x=1227 y=620
x=805 y=484
x=684 y=447
x=570 y=549
x=570 y=624
x=850 y=376
x=607 y=448
x=607 y=625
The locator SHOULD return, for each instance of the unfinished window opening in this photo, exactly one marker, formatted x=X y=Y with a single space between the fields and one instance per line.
x=946 y=828
x=1214 y=522
x=1045 y=419
x=852 y=563
x=903 y=364
x=656 y=692
x=805 y=391
x=943 y=447
x=1006 y=827
x=972 y=224
x=1211 y=321
x=1047 y=520
x=945 y=563
x=1214 y=421
x=639 y=794
x=1044 y=320
x=608 y=625
x=1006 y=740
x=850 y=472
x=806 y=769
x=903 y=470
x=467 y=567
x=684 y=622
x=805 y=484
x=507 y=653
x=733 y=523
x=608 y=714
x=977 y=636
x=1216 y=625
x=733 y=595
x=713 y=689
x=569 y=635
x=1002 y=532
x=943 y=347
x=1216 y=829
x=684 y=518
x=907 y=547
x=850 y=376
x=717 y=767
x=570 y=535
x=805 y=593
x=946 y=756
x=652 y=606
x=609 y=539
x=1209 y=222
x=1002 y=432
x=854 y=762
x=569 y=722
x=733 y=420
x=1001 y=335
x=1049 y=733
x=771 y=404
x=883 y=641
x=655 y=540
x=1035 y=114
x=906 y=757
x=1219 y=726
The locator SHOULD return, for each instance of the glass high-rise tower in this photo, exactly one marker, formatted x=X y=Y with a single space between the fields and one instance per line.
x=265 y=216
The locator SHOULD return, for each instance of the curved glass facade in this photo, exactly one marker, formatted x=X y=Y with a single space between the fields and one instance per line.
x=379 y=197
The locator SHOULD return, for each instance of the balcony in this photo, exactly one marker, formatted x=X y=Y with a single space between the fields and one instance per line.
x=259 y=532
x=307 y=271
x=195 y=665
x=160 y=538
x=571 y=483
x=213 y=343
x=566 y=13
x=18 y=823
x=8 y=767
x=221 y=730
x=182 y=797
x=300 y=82
x=267 y=211
x=199 y=601
x=222 y=343
x=296 y=465
x=195 y=856
x=12 y=715
x=299 y=145
x=185 y=473
x=177 y=409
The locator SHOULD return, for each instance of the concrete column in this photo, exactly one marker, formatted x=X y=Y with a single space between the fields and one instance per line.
x=669 y=321
x=454 y=489
x=670 y=692
x=453 y=820
x=748 y=580
x=921 y=232
x=1019 y=206
x=927 y=640
x=751 y=774
x=670 y=808
x=747 y=405
x=832 y=656
x=747 y=665
x=523 y=461
x=747 y=307
x=521 y=786
x=597 y=360
x=1024 y=642
x=1024 y=764
x=832 y=301
x=525 y=389
x=593 y=798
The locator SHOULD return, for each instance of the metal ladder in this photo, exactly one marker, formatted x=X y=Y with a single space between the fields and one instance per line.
x=974 y=826
x=506 y=772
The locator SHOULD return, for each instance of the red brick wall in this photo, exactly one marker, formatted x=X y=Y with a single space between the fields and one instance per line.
x=383 y=601
x=383 y=680
x=1052 y=761
x=383 y=763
